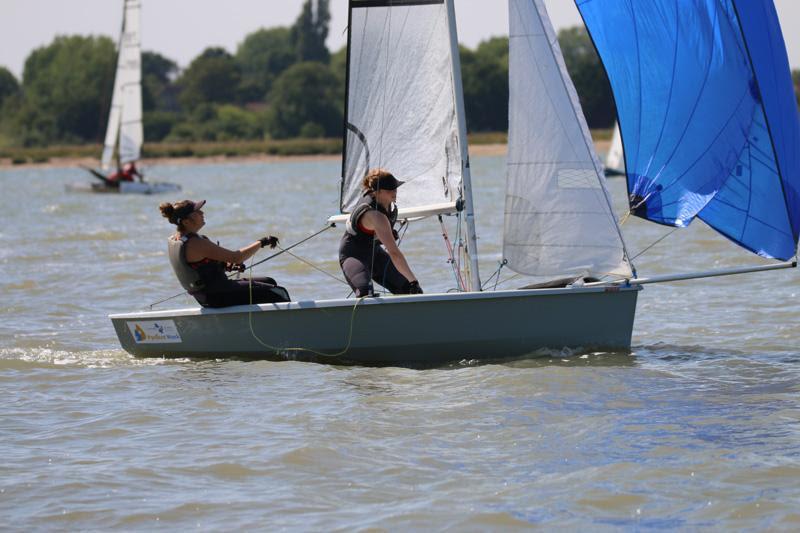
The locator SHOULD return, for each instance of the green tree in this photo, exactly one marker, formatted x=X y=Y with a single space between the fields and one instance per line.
x=589 y=77
x=796 y=79
x=262 y=57
x=158 y=124
x=212 y=77
x=310 y=31
x=338 y=63
x=305 y=95
x=9 y=101
x=66 y=89
x=158 y=73
x=9 y=85
x=233 y=122
x=484 y=74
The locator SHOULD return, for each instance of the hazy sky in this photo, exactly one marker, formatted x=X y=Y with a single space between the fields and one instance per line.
x=181 y=29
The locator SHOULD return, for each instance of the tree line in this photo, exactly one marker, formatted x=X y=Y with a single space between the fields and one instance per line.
x=280 y=83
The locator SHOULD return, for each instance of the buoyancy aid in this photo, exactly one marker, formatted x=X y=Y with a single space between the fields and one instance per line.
x=194 y=277
x=353 y=228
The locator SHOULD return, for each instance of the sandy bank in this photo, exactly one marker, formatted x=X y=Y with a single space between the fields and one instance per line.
x=475 y=150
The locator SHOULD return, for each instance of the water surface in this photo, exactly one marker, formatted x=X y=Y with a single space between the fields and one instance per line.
x=697 y=428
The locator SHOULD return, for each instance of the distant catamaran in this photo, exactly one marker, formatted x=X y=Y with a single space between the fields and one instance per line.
x=405 y=112
x=124 y=133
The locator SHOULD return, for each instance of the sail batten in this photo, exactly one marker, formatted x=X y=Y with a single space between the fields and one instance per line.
x=708 y=115
x=558 y=216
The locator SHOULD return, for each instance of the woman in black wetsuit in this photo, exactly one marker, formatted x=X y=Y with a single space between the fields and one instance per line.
x=371 y=224
x=201 y=265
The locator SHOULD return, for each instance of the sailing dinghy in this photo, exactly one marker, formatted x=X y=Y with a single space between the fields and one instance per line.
x=404 y=111
x=124 y=133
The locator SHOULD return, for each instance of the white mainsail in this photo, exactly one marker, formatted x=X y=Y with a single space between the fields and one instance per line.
x=614 y=159
x=125 y=116
x=558 y=216
x=401 y=108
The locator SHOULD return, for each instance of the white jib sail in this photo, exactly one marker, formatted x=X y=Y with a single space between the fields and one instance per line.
x=614 y=159
x=558 y=216
x=125 y=116
x=400 y=106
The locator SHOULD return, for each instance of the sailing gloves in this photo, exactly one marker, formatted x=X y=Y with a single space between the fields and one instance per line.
x=412 y=287
x=270 y=241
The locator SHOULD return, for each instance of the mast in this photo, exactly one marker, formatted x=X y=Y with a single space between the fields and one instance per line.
x=469 y=210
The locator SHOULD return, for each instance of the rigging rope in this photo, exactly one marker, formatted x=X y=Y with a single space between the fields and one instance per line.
x=298 y=243
x=656 y=242
x=167 y=299
x=279 y=350
x=503 y=263
x=451 y=258
x=515 y=276
x=315 y=267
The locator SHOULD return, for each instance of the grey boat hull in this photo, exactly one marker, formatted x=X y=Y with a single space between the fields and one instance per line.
x=417 y=331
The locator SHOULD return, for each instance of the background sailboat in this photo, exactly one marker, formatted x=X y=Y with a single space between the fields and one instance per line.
x=124 y=132
x=405 y=112
x=615 y=159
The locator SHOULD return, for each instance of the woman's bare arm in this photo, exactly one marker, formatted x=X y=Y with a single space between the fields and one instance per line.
x=199 y=249
x=380 y=225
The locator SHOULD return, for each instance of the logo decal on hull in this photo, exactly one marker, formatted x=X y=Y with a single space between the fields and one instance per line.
x=161 y=332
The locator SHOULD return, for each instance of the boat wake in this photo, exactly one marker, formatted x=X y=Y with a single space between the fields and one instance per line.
x=31 y=358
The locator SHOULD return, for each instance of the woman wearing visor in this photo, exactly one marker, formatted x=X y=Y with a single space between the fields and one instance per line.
x=201 y=265
x=361 y=256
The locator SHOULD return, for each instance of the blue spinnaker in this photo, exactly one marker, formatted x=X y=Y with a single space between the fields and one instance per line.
x=707 y=113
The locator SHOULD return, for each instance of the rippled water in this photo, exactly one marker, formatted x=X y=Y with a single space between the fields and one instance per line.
x=698 y=427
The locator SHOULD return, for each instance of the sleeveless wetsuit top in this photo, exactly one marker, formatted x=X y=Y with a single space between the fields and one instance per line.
x=355 y=232
x=198 y=276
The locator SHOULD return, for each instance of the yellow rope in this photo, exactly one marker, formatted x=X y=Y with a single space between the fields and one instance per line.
x=279 y=349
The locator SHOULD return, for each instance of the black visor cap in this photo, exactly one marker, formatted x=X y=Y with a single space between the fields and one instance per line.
x=387 y=183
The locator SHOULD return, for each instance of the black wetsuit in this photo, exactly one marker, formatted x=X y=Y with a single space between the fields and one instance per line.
x=207 y=282
x=362 y=258
x=237 y=292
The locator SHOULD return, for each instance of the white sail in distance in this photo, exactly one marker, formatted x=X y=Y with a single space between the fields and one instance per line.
x=125 y=116
x=615 y=158
x=558 y=216
x=400 y=104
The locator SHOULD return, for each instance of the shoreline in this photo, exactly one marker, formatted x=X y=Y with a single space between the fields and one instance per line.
x=493 y=149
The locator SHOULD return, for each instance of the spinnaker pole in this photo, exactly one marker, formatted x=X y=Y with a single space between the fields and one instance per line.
x=696 y=275
x=466 y=179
